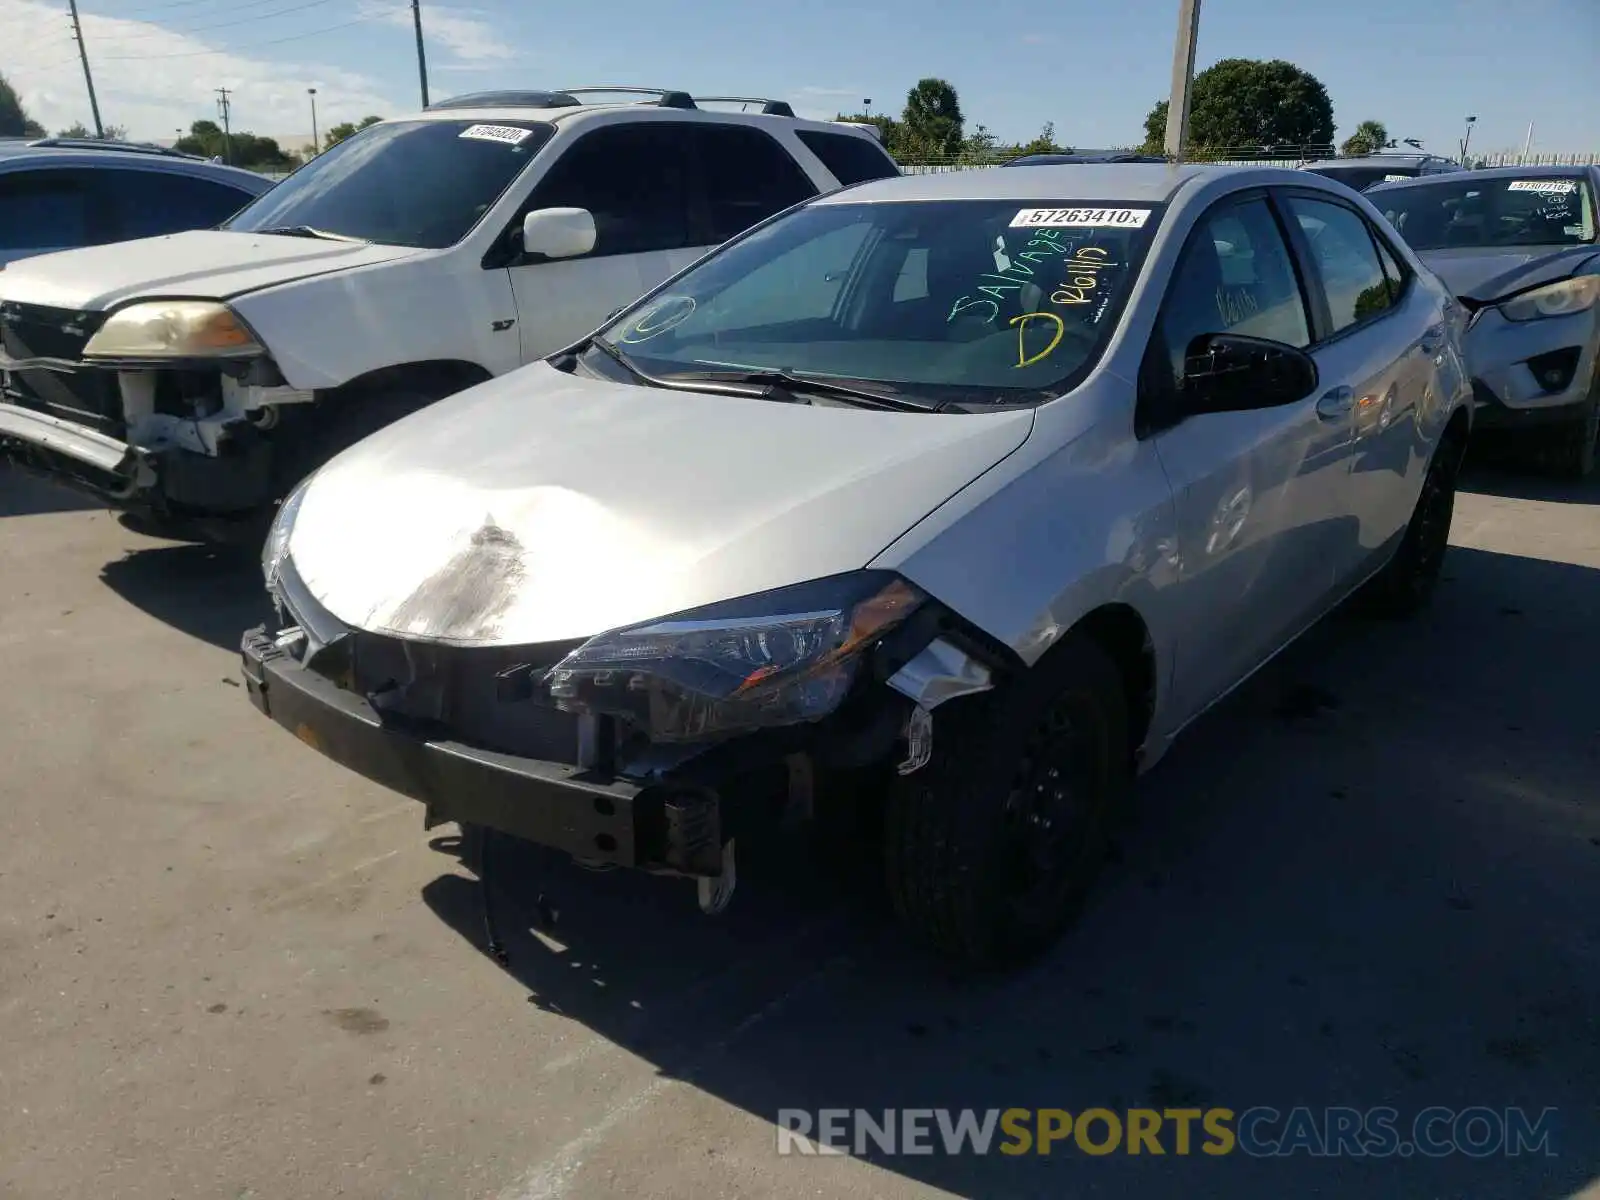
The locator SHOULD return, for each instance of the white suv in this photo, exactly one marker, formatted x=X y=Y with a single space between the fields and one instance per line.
x=194 y=378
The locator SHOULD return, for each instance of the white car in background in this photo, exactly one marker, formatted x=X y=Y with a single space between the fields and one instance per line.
x=193 y=379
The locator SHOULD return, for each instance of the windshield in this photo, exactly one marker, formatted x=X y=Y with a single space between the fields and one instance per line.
x=1491 y=212
x=403 y=183
x=1361 y=178
x=953 y=301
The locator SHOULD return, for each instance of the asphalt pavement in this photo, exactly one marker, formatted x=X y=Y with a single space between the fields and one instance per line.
x=230 y=969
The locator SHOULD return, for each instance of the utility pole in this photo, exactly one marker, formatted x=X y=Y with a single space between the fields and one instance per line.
x=88 y=79
x=316 y=144
x=422 y=58
x=225 y=109
x=1182 y=79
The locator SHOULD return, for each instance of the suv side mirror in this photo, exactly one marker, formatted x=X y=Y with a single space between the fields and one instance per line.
x=558 y=232
x=1227 y=372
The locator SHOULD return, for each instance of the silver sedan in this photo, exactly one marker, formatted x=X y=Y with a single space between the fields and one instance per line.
x=949 y=500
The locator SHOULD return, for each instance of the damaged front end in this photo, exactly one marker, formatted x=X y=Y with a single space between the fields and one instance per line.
x=160 y=408
x=655 y=747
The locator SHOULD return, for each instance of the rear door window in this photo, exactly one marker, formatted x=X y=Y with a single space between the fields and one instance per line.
x=849 y=159
x=47 y=210
x=1347 y=260
x=151 y=203
x=745 y=177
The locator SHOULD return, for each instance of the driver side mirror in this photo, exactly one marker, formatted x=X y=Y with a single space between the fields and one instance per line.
x=1227 y=372
x=558 y=232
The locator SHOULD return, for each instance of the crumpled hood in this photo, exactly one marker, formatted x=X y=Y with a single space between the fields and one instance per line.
x=1486 y=275
x=543 y=506
x=202 y=263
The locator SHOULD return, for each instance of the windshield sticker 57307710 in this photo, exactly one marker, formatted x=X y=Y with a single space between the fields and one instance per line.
x=1548 y=187
x=509 y=134
x=1082 y=218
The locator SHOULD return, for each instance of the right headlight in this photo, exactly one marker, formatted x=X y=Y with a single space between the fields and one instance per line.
x=276 y=548
x=778 y=658
x=1561 y=299
x=174 y=329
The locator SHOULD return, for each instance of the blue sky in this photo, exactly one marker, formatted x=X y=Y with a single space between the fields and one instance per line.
x=1092 y=68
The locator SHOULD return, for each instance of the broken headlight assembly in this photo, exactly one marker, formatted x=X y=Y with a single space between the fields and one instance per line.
x=776 y=658
x=174 y=329
x=276 y=548
x=1562 y=299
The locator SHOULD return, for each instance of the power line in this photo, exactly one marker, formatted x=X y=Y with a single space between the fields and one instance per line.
x=293 y=37
x=184 y=30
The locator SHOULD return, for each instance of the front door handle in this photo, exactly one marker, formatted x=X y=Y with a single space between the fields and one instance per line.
x=1336 y=404
x=1432 y=339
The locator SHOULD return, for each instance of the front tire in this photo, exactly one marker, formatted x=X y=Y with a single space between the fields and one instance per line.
x=991 y=849
x=1405 y=585
x=1573 y=451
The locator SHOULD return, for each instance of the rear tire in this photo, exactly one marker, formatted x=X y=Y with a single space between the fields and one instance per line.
x=991 y=849
x=1405 y=585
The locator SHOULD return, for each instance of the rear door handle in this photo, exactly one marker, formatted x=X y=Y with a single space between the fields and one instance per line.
x=1336 y=404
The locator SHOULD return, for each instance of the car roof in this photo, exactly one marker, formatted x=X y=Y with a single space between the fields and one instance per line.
x=1488 y=173
x=569 y=114
x=1147 y=183
x=25 y=153
x=1059 y=157
x=1379 y=160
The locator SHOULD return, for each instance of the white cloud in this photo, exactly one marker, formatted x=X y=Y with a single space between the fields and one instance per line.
x=154 y=80
x=459 y=30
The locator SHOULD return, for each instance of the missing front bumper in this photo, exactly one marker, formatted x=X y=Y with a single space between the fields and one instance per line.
x=597 y=819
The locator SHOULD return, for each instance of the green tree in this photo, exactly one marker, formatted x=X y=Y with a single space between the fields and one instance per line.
x=932 y=120
x=1369 y=138
x=14 y=119
x=1250 y=106
x=979 y=144
x=242 y=149
x=113 y=133
x=1045 y=143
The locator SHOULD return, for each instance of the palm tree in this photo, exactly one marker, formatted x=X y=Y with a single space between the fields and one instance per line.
x=1369 y=138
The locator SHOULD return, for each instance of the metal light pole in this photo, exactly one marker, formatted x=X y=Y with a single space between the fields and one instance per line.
x=1182 y=78
x=422 y=59
x=1466 y=141
x=316 y=142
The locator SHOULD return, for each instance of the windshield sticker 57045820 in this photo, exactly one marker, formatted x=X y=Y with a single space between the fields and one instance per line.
x=511 y=135
x=1548 y=187
x=1082 y=218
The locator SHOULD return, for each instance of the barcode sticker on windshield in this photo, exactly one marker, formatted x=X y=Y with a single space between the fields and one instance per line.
x=1395 y=178
x=1082 y=218
x=509 y=134
x=1549 y=187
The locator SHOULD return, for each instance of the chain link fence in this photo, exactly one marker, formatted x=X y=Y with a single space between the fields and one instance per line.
x=1261 y=156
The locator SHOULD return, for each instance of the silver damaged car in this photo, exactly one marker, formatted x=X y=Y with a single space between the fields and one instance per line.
x=948 y=500
x=1520 y=246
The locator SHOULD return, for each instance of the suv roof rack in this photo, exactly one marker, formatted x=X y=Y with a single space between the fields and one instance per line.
x=771 y=108
x=61 y=143
x=507 y=100
x=665 y=97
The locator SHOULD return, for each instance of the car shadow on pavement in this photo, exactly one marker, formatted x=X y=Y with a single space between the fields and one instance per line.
x=1372 y=877
x=213 y=593
x=23 y=495
x=1492 y=478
